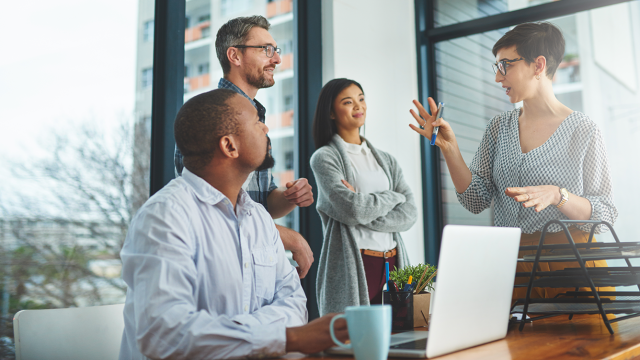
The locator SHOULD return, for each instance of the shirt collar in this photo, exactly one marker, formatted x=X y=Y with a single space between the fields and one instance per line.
x=353 y=148
x=210 y=195
x=226 y=84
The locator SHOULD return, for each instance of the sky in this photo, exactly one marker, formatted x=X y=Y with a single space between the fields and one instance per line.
x=62 y=63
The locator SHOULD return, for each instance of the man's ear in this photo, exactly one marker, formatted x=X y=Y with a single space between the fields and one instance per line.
x=235 y=56
x=228 y=147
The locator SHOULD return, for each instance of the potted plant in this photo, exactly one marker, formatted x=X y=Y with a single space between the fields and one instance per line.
x=422 y=283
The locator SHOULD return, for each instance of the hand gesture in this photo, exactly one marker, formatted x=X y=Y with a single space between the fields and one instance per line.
x=299 y=192
x=427 y=122
x=535 y=196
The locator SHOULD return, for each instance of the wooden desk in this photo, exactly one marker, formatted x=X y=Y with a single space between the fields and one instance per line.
x=584 y=337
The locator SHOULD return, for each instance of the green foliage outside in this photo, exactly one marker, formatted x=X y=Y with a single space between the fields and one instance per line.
x=401 y=276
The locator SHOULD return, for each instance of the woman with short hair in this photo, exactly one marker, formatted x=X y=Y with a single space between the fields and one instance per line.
x=363 y=202
x=540 y=162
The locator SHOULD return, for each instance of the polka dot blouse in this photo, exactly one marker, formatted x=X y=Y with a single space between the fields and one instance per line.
x=574 y=157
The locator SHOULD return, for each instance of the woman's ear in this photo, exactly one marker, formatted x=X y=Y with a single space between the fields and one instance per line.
x=541 y=65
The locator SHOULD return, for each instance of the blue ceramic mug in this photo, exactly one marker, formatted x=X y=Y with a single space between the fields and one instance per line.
x=369 y=331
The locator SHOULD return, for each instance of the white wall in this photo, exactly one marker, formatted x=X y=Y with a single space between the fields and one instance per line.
x=373 y=42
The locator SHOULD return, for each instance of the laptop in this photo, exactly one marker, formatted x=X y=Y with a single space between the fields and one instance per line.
x=472 y=297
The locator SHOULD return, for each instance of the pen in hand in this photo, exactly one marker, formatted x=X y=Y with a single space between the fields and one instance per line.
x=436 y=128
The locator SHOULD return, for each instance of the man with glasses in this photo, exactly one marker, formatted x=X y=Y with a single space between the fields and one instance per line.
x=248 y=55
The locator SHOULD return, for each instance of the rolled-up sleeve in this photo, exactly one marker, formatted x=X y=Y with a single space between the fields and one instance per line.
x=598 y=188
x=478 y=195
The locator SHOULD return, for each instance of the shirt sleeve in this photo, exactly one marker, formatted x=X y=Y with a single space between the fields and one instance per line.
x=477 y=197
x=159 y=269
x=344 y=205
x=597 y=184
x=177 y=159
x=404 y=215
x=272 y=184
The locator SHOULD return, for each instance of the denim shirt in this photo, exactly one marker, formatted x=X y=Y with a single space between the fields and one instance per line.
x=259 y=184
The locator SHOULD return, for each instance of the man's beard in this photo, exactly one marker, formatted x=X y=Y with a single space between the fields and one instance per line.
x=269 y=161
x=260 y=81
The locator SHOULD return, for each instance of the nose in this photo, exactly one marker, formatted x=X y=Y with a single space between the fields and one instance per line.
x=265 y=128
x=276 y=59
x=499 y=77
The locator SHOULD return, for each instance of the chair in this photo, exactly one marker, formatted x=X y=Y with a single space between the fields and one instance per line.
x=88 y=333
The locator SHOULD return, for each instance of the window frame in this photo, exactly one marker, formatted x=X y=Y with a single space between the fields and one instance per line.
x=427 y=35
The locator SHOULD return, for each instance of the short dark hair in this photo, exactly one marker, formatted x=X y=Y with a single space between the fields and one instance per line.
x=235 y=32
x=324 y=127
x=201 y=123
x=534 y=39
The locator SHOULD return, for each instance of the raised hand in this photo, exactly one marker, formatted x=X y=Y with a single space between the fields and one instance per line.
x=446 y=138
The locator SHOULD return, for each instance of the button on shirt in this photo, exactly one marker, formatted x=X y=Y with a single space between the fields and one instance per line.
x=205 y=281
x=369 y=178
x=259 y=184
x=574 y=157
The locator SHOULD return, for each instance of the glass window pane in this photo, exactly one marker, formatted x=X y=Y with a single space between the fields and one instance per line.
x=449 y=12
x=75 y=167
x=466 y=85
x=591 y=79
x=200 y=54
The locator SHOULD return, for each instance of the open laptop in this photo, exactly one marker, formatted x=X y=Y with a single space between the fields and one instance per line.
x=472 y=296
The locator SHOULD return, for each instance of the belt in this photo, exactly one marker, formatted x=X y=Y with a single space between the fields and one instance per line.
x=388 y=254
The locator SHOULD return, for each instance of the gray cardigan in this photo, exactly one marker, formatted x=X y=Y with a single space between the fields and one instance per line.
x=341 y=278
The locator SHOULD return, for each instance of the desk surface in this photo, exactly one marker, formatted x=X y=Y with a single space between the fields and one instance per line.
x=584 y=337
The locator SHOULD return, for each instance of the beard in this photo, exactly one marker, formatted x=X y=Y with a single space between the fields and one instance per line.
x=260 y=81
x=269 y=161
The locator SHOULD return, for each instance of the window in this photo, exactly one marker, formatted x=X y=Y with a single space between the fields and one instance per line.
x=591 y=79
x=447 y=12
x=147 y=31
x=278 y=99
x=233 y=7
x=203 y=69
x=206 y=32
x=147 y=78
x=78 y=172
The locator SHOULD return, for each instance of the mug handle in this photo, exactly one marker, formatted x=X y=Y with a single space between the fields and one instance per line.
x=333 y=336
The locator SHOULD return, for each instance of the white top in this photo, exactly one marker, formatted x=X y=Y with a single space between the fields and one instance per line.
x=369 y=178
x=204 y=282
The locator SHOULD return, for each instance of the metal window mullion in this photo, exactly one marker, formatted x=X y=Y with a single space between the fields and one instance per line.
x=168 y=88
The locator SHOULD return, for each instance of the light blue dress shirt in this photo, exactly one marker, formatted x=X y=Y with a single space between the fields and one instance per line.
x=205 y=282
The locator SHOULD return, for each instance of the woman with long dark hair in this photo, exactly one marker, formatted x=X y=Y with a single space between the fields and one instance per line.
x=363 y=202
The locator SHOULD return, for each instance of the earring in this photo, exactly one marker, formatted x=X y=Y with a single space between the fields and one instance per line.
x=538 y=77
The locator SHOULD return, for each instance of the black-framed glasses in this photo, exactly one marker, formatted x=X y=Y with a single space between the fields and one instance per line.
x=270 y=50
x=502 y=65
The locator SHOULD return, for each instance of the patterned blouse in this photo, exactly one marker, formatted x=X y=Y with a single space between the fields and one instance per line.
x=574 y=157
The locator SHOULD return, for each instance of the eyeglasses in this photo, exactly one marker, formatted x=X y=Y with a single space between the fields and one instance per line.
x=502 y=65
x=270 y=50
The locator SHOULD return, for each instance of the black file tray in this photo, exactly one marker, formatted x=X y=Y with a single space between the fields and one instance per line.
x=581 y=302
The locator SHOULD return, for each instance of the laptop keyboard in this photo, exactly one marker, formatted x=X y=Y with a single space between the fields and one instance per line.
x=412 y=345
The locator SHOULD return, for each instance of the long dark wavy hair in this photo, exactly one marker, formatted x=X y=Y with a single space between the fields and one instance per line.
x=324 y=127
